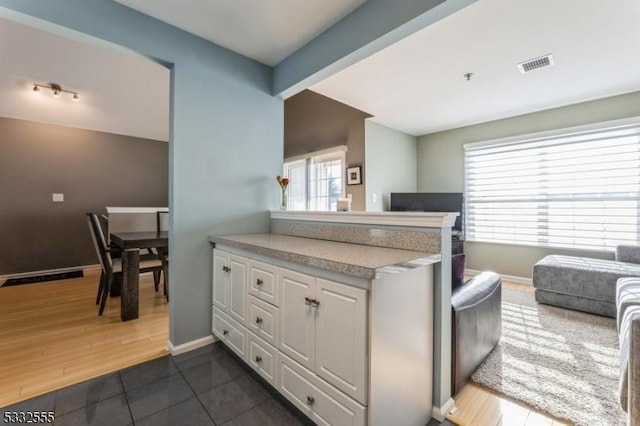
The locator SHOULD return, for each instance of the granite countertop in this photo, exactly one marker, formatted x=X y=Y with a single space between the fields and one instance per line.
x=352 y=259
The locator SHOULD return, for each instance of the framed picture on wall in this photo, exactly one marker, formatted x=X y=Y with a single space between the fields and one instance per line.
x=354 y=175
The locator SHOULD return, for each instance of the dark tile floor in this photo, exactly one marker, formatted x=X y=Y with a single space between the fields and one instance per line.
x=207 y=386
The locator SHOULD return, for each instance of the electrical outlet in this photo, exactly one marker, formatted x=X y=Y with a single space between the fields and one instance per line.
x=374 y=198
x=58 y=198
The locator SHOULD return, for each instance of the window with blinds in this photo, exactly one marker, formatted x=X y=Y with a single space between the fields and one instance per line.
x=315 y=180
x=296 y=171
x=579 y=190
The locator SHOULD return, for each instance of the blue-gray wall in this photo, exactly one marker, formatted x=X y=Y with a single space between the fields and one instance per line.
x=226 y=142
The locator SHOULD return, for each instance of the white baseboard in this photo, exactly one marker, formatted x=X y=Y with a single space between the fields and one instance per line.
x=48 y=271
x=511 y=278
x=440 y=413
x=190 y=346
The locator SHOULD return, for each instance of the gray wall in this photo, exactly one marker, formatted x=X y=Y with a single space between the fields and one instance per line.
x=225 y=145
x=441 y=168
x=92 y=169
x=313 y=122
x=391 y=164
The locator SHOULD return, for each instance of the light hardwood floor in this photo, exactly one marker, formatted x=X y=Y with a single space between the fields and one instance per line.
x=52 y=335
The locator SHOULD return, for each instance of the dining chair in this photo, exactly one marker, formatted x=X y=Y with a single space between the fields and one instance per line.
x=162 y=224
x=113 y=267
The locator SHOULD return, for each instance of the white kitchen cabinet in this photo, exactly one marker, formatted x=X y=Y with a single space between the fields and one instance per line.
x=341 y=337
x=323 y=326
x=263 y=358
x=220 y=274
x=230 y=284
x=345 y=353
x=263 y=282
x=262 y=320
x=318 y=400
x=230 y=332
x=297 y=317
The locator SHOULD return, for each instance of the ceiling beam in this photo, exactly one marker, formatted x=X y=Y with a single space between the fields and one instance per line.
x=368 y=29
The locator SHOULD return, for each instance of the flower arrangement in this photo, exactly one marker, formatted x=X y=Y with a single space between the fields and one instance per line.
x=283 y=182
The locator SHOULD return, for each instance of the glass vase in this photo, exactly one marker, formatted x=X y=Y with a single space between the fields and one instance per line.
x=283 y=204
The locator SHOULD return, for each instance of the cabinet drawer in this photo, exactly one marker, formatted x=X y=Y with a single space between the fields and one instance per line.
x=263 y=282
x=230 y=332
x=263 y=358
x=263 y=320
x=324 y=404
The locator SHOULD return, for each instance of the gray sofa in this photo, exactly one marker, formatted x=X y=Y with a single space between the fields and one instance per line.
x=584 y=284
x=628 y=316
x=604 y=287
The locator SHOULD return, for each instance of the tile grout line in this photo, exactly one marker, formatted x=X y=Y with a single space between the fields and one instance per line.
x=124 y=392
x=194 y=393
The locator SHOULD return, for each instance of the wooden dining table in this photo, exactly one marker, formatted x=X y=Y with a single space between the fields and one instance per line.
x=130 y=243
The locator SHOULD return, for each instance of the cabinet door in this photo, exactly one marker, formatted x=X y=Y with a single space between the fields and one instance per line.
x=231 y=333
x=341 y=336
x=263 y=282
x=220 y=282
x=321 y=402
x=238 y=288
x=263 y=358
x=297 y=317
x=262 y=319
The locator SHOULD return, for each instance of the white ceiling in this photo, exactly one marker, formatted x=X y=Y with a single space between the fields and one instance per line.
x=267 y=31
x=418 y=84
x=120 y=92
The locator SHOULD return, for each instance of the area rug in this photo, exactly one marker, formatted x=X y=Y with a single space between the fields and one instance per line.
x=43 y=278
x=561 y=362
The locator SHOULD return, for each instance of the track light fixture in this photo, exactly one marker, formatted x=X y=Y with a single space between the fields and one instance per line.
x=56 y=89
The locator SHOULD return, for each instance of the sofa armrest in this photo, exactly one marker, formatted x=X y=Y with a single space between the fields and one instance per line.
x=629 y=254
x=634 y=375
x=475 y=290
x=629 y=380
x=476 y=324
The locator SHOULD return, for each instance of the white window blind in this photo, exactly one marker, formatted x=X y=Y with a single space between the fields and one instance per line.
x=578 y=190
x=296 y=171
x=315 y=180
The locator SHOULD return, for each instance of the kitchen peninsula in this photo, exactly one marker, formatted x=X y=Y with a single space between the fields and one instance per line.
x=344 y=313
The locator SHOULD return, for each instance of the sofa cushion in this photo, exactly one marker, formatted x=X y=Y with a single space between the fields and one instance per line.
x=631 y=314
x=626 y=253
x=582 y=276
x=627 y=294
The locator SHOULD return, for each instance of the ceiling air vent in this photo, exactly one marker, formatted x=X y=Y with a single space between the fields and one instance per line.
x=534 y=64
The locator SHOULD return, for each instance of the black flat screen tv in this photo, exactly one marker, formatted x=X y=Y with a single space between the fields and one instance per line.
x=430 y=202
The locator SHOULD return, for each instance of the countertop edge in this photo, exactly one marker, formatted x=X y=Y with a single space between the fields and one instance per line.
x=327 y=264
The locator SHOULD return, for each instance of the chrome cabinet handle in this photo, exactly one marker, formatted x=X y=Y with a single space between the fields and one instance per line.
x=258 y=320
x=310 y=400
x=258 y=358
x=259 y=282
x=311 y=302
